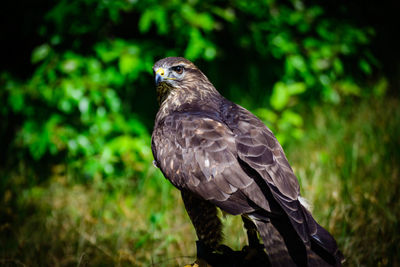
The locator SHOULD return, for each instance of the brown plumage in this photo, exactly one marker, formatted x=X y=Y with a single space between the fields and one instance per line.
x=220 y=155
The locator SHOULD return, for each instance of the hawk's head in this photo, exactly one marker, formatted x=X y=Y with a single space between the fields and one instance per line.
x=177 y=74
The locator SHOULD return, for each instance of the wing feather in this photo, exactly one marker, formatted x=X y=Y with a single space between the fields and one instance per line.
x=198 y=153
x=261 y=151
x=201 y=154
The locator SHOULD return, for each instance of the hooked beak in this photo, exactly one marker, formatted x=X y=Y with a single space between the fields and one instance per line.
x=159 y=75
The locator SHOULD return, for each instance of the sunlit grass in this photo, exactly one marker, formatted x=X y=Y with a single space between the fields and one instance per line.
x=348 y=165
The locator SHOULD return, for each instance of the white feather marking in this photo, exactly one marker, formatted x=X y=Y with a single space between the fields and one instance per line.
x=233 y=189
x=252 y=218
x=207 y=163
x=155 y=164
x=305 y=203
x=199 y=131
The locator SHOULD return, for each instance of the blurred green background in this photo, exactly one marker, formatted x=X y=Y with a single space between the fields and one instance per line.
x=77 y=184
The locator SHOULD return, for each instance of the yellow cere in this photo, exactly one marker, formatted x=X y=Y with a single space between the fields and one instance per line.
x=160 y=71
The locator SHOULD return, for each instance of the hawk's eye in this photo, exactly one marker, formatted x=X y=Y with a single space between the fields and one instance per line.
x=178 y=69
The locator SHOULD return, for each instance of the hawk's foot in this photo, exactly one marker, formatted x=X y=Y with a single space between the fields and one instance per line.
x=199 y=263
x=255 y=256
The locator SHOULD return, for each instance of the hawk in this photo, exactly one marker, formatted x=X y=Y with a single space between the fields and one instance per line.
x=219 y=155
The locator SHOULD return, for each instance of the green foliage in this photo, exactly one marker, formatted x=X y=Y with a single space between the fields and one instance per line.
x=82 y=90
x=71 y=107
x=313 y=50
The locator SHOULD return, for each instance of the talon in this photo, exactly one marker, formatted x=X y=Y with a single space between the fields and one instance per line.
x=198 y=263
x=254 y=255
x=223 y=249
x=201 y=263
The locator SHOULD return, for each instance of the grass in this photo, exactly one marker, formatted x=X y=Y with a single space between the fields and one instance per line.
x=348 y=165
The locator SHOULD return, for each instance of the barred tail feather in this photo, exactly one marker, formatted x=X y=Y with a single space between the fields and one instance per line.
x=274 y=244
x=285 y=249
x=323 y=243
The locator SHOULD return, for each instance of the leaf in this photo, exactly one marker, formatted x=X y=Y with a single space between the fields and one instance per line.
x=381 y=87
x=210 y=53
x=266 y=115
x=280 y=96
x=292 y=118
x=227 y=14
x=84 y=105
x=145 y=20
x=70 y=65
x=330 y=95
x=297 y=62
x=112 y=100
x=365 y=66
x=156 y=15
x=137 y=127
x=128 y=63
x=16 y=100
x=296 y=88
x=37 y=138
x=348 y=87
x=160 y=18
x=107 y=53
x=40 y=53
x=205 y=21
x=195 y=46
x=338 y=66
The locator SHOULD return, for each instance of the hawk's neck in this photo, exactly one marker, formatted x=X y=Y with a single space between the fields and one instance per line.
x=190 y=101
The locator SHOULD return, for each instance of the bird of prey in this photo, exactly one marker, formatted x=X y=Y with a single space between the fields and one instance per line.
x=218 y=154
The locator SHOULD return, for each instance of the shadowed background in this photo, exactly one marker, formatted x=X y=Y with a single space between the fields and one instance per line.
x=77 y=184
